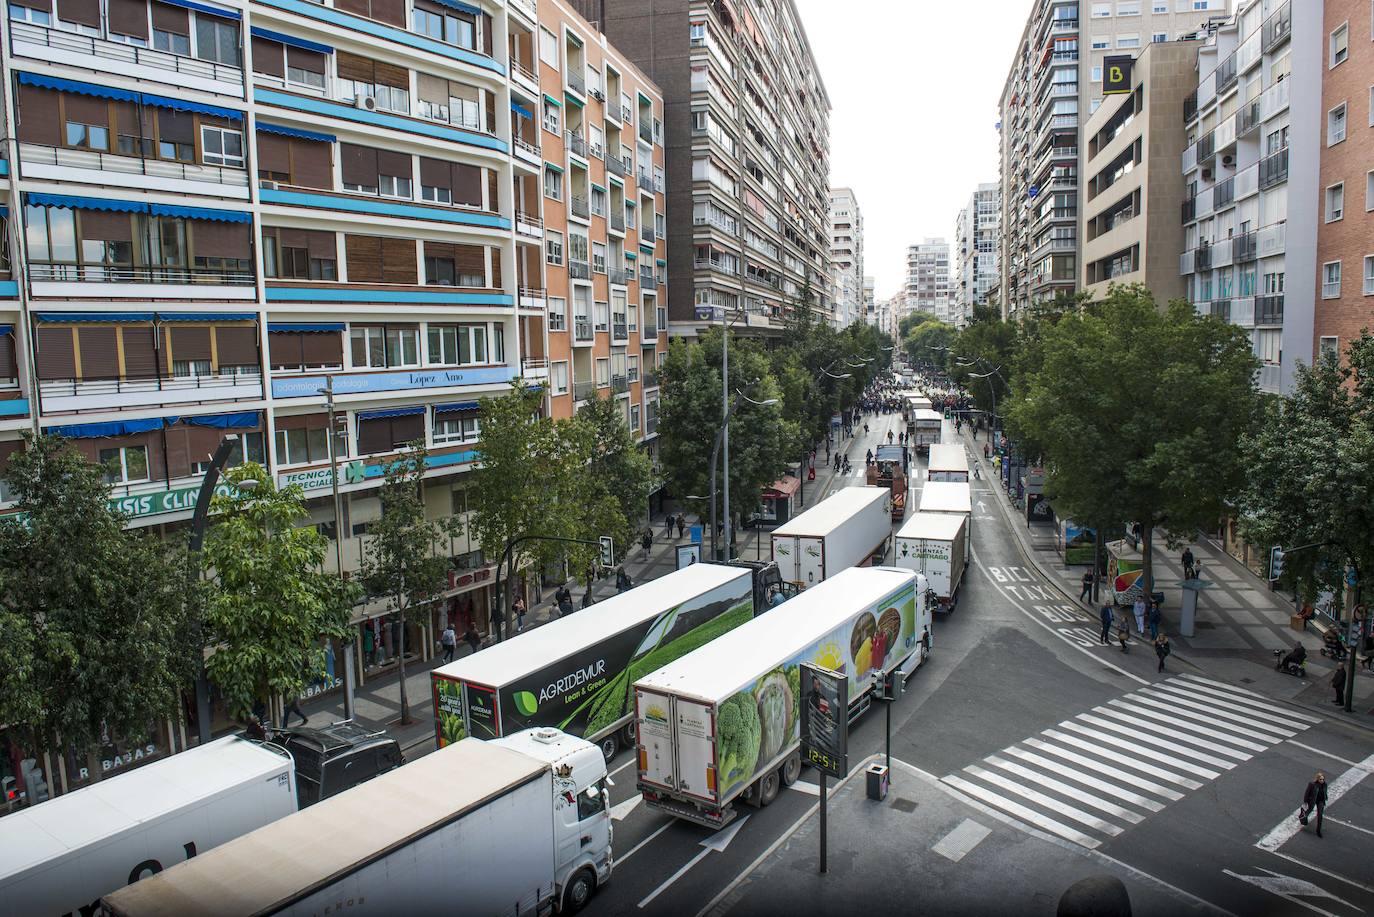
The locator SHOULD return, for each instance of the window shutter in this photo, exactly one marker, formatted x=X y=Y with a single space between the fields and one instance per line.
x=300 y=421
x=359 y=7
x=398 y=261
x=471 y=259
x=56 y=352
x=407 y=429
x=86 y=109
x=311 y=165
x=322 y=348
x=107 y=226
x=374 y=435
x=439 y=250
x=493 y=191
x=467 y=184
x=86 y=12
x=7 y=449
x=140 y=354
x=359 y=165
x=99 y=358
x=486 y=33
x=305 y=59
x=285 y=349
x=399 y=165
x=8 y=368
x=215 y=239
x=129 y=17
x=354 y=67
x=496 y=282
x=322 y=244
x=392 y=11
x=391 y=75
x=489 y=102
x=431 y=88
x=34 y=4
x=176 y=126
x=168 y=18
x=187 y=343
x=40 y=116
x=269 y=57
x=236 y=345
x=274 y=153
x=364 y=256
x=436 y=173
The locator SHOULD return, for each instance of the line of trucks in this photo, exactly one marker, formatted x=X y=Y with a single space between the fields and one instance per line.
x=510 y=814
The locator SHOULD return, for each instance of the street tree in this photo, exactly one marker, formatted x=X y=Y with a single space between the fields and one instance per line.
x=1139 y=413
x=402 y=557
x=762 y=441
x=1311 y=480
x=913 y=320
x=988 y=343
x=618 y=477
x=99 y=643
x=928 y=342
x=267 y=604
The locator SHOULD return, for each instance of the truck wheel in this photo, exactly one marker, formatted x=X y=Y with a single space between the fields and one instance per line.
x=628 y=737
x=609 y=746
x=578 y=892
x=769 y=786
x=791 y=768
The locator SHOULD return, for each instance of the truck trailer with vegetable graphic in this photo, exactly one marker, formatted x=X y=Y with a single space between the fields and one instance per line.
x=722 y=722
x=575 y=673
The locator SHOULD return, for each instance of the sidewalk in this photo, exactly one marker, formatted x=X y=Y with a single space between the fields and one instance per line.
x=1239 y=622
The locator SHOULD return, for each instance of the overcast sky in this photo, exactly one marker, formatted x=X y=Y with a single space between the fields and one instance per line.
x=914 y=87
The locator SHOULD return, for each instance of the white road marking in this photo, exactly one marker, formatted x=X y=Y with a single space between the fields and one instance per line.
x=1178 y=719
x=620 y=811
x=1290 y=889
x=1235 y=690
x=716 y=843
x=1275 y=733
x=1347 y=824
x=1149 y=753
x=1063 y=789
x=1198 y=694
x=1150 y=739
x=1181 y=735
x=1128 y=761
x=1326 y=872
x=811 y=789
x=1185 y=709
x=637 y=847
x=1335 y=789
x=1061 y=808
x=1136 y=781
x=1030 y=816
x=1324 y=754
x=1111 y=789
x=956 y=844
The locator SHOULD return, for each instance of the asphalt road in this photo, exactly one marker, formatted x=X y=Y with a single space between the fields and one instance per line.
x=1023 y=718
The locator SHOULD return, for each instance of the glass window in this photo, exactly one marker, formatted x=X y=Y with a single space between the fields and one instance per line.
x=472 y=344
x=377 y=346
x=443 y=345
x=217 y=40
x=548 y=47
x=1335 y=202
x=1335 y=125
x=25 y=14
x=456 y=428
x=552 y=118
x=553 y=184
x=1340 y=44
x=558 y=378
x=592 y=800
x=172 y=42
x=393 y=186
x=1102 y=10
x=222 y=147
x=88 y=136
x=125 y=464
x=300 y=446
x=1368 y=288
x=1331 y=280
x=553 y=246
x=558 y=313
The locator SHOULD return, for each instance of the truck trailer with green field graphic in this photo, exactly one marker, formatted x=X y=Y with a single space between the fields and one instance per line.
x=575 y=673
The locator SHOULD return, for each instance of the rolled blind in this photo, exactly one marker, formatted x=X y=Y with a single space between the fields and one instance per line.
x=274 y=153
x=398 y=261
x=107 y=226
x=354 y=67
x=471 y=261
x=86 y=109
x=86 y=12
x=359 y=165
x=432 y=89
x=140 y=356
x=364 y=257
x=406 y=429
x=322 y=348
x=311 y=165
x=495 y=268
x=213 y=239
x=99 y=356
x=236 y=345
x=398 y=165
x=436 y=173
x=374 y=435
x=40 y=116
x=285 y=349
x=269 y=57
x=187 y=343
x=129 y=17
x=467 y=184
x=392 y=11
x=170 y=18
x=390 y=75
x=176 y=126
x=56 y=352
x=305 y=59
x=8 y=367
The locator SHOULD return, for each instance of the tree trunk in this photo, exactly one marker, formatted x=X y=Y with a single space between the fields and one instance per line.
x=401 y=669
x=1147 y=560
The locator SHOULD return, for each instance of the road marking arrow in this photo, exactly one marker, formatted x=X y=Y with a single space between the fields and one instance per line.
x=620 y=811
x=1289 y=889
x=716 y=842
x=982 y=507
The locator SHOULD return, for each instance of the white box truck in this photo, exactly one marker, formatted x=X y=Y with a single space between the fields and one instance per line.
x=518 y=825
x=575 y=673
x=722 y=722
x=948 y=462
x=925 y=428
x=932 y=544
x=60 y=856
x=850 y=528
x=950 y=497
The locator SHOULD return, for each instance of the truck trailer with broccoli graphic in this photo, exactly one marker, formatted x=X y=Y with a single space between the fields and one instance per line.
x=575 y=673
x=722 y=722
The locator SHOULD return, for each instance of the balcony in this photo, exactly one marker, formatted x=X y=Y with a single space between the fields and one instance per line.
x=579 y=207
x=1221 y=308
x=576 y=82
x=67 y=396
x=1273 y=169
x=646 y=233
x=620 y=332
x=528 y=7
x=583 y=391
x=650 y=425
x=620 y=384
x=1226 y=74
x=1271 y=239
x=533 y=298
x=62 y=164
x=1206 y=147
x=1223 y=193
x=1276 y=28
x=617 y=222
x=1243 y=312
x=1274 y=100
x=1269 y=309
x=577 y=144
x=582 y=330
x=651 y=378
x=1190 y=107
x=529 y=224
x=1269 y=377
x=616 y=166
x=1248 y=118
x=579 y=270
x=649 y=330
x=1244 y=247
x=1247 y=182
x=1202 y=257
x=534 y=368
x=523 y=75
x=526 y=151
x=618 y=276
x=626 y=115
x=76 y=281
x=62 y=47
x=646 y=275
x=646 y=130
x=1189 y=210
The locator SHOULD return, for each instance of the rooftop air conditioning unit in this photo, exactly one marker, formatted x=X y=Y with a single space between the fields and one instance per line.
x=367 y=103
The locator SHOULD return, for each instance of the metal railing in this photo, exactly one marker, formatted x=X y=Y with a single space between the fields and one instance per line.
x=620 y=277
x=1276 y=28
x=1248 y=118
x=646 y=233
x=39 y=154
x=1190 y=107
x=524 y=146
x=646 y=131
x=620 y=384
x=583 y=391
x=1206 y=146
x=582 y=330
x=1227 y=74
x=24 y=33
x=646 y=275
x=618 y=222
x=649 y=330
x=519 y=70
x=1244 y=247
x=620 y=331
x=1274 y=169
x=626 y=115
x=1269 y=309
x=99 y=273
x=579 y=270
x=529 y=219
x=577 y=83
x=528 y=6
x=1202 y=257
x=651 y=378
x=577 y=143
x=616 y=167
x=80 y=388
x=1221 y=308
x=1224 y=193
x=651 y=425
x=536 y=296
x=579 y=206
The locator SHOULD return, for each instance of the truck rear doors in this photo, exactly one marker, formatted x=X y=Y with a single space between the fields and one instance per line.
x=677 y=744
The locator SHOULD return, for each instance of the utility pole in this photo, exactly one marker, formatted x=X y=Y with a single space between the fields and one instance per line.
x=328 y=392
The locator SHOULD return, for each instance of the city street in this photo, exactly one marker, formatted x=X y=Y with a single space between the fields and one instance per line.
x=1027 y=756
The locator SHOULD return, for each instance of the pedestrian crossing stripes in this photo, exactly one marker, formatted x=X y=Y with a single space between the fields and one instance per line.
x=1091 y=777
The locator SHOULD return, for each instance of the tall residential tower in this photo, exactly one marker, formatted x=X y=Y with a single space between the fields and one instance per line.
x=976 y=233
x=847 y=255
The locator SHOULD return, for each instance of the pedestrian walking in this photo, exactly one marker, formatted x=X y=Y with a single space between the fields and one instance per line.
x=681 y=526
x=293 y=707
x=1162 y=649
x=1123 y=632
x=1152 y=617
x=646 y=541
x=1314 y=800
x=668 y=525
x=1085 y=594
x=889 y=437
x=1106 y=615
x=519 y=609
x=449 y=641
x=587 y=599
x=472 y=639
x=1188 y=563
x=1139 y=610
x=565 y=601
x=622 y=580
x=1338 y=684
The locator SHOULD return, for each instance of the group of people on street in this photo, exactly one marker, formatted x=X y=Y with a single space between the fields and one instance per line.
x=1146 y=616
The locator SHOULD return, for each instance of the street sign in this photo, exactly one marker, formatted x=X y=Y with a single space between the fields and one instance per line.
x=825 y=719
x=1275 y=563
x=607 y=551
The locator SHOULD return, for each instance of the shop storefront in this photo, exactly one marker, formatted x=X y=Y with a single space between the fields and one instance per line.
x=779 y=501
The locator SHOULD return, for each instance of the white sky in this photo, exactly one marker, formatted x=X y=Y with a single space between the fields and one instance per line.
x=914 y=87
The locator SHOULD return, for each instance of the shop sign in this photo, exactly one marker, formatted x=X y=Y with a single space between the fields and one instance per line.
x=162 y=501
x=109 y=763
x=356 y=472
x=358 y=383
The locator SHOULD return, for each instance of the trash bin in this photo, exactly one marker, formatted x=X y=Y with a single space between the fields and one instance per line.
x=877 y=781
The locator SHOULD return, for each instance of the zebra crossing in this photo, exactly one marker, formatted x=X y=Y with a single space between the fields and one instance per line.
x=1091 y=777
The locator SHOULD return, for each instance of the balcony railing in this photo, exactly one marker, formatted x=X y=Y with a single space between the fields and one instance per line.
x=1248 y=118
x=1221 y=308
x=1202 y=257
x=529 y=223
x=1269 y=309
x=646 y=275
x=576 y=82
x=620 y=384
x=579 y=206
x=528 y=6
x=1189 y=210
x=650 y=425
x=520 y=70
x=619 y=277
x=1226 y=74
x=618 y=222
x=616 y=166
x=577 y=143
x=1276 y=28
x=1190 y=107
x=648 y=331
x=1274 y=169
x=98 y=273
x=646 y=131
x=1224 y=193
x=582 y=330
x=620 y=331
x=646 y=233
x=38 y=154
x=86 y=46
x=651 y=378
x=63 y=395
x=1206 y=146
x=531 y=150
x=583 y=391
x=579 y=270
x=1244 y=247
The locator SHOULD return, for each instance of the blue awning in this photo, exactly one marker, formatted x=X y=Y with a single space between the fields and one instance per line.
x=85 y=89
x=83 y=203
x=456 y=406
x=200 y=213
x=572 y=99
x=4 y=210
x=460 y=6
x=270 y=128
x=286 y=327
x=631 y=255
x=291 y=40
x=203 y=8
x=207 y=316
x=522 y=111
x=390 y=412
x=243 y=420
x=232 y=114
x=93 y=316
x=114 y=428
x=549 y=98
x=662 y=262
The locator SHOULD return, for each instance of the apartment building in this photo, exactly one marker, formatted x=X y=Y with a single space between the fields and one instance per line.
x=870 y=285
x=748 y=140
x=847 y=256
x=215 y=209
x=1054 y=84
x=928 y=287
x=1132 y=192
x=976 y=231
x=1345 y=236
x=1257 y=132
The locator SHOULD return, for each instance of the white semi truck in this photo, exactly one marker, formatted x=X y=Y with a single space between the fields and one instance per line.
x=933 y=544
x=518 y=825
x=722 y=723
x=850 y=528
x=948 y=463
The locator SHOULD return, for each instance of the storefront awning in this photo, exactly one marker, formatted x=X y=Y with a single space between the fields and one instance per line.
x=289 y=327
x=390 y=412
x=200 y=213
x=455 y=406
x=785 y=487
x=270 y=128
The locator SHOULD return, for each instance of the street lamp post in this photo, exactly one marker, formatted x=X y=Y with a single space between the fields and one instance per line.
x=328 y=392
x=722 y=436
x=198 y=520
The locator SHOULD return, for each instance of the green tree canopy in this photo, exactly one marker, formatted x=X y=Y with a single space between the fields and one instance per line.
x=928 y=341
x=98 y=639
x=267 y=602
x=1311 y=479
x=618 y=477
x=1140 y=414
